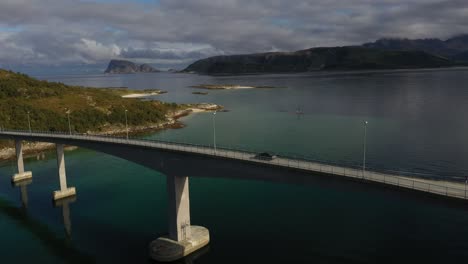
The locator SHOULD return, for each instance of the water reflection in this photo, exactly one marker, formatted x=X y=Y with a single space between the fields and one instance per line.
x=65 y=204
x=23 y=185
x=190 y=259
x=51 y=241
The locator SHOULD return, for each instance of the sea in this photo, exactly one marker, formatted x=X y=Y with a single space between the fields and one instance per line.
x=416 y=124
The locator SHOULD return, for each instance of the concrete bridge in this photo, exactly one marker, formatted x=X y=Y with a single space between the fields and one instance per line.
x=181 y=161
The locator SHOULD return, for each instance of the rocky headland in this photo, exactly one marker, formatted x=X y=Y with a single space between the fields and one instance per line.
x=123 y=66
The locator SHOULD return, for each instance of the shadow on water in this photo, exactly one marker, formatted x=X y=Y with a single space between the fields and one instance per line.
x=60 y=247
x=190 y=259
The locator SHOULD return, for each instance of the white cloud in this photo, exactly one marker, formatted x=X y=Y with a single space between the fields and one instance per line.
x=177 y=31
x=91 y=50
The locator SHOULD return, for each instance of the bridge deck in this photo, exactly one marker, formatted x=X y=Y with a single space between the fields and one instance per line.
x=439 y=187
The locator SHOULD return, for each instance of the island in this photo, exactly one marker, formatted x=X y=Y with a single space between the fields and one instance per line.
x=378 y=55
x=97 y=111
x=123 y=66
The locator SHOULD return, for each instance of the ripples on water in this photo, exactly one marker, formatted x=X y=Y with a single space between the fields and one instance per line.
x=417 y=123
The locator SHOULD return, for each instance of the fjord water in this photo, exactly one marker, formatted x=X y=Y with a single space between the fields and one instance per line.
x=417 y=123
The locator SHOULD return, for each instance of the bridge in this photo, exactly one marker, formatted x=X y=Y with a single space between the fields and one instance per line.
x=180 y=161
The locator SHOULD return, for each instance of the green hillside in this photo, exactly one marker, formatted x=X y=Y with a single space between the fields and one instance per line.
x=91 y=109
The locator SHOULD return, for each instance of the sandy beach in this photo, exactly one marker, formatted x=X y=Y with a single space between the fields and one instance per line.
x=222 y=86
x=141 y=95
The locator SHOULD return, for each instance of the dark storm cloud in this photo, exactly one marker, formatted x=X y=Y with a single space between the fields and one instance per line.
x=176 y=31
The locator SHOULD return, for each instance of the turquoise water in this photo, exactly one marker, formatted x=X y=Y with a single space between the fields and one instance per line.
x=416 y=123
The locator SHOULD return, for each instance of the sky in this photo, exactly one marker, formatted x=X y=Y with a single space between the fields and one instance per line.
x=175 y=33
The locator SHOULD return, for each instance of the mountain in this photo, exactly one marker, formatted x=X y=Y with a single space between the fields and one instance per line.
x=452 y=48
x=462 y=56
x=335 y=58
x=123 y=66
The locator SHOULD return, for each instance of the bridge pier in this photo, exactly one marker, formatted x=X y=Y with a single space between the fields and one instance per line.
x=21 y=175
x=183 y=238
x=64 y=190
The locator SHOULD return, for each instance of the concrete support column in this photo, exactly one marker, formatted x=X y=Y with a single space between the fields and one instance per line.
x=183 y=238
x=179 y=208
x=64 y=190
x=19 y=156
x=21 y=175
x=61 y=167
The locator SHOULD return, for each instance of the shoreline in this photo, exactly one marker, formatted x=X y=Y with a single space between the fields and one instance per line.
x=38 y=149
x=226 y=87
x=143 y=95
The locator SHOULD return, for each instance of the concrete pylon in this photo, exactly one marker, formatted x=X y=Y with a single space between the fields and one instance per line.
x=183 y=238
x=64 y=190
x=179 y=208
x=21 y=175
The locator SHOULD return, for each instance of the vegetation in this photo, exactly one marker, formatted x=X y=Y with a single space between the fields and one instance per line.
x=318 y=59
x=90 y=109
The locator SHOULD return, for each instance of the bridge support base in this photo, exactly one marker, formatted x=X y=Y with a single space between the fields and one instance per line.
x=69 y=192
x=18 y=177
x=183 y=238
x=165 y=249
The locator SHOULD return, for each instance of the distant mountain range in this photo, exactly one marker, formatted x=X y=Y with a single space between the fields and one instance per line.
x=381 y=54
x=455 y=48
x=123 y=66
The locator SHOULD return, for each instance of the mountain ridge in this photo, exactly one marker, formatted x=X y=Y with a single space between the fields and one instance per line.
x=451 y=48
x=386 y=53
x=317 y=59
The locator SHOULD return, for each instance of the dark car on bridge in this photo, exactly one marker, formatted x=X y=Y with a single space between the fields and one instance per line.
x=265 y=156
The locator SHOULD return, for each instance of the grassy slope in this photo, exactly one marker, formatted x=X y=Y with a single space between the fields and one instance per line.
x=91 y=109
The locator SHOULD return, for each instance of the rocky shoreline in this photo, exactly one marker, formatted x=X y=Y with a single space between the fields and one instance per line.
x=38 y=149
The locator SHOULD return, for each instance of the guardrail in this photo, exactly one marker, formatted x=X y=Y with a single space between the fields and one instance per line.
x=432 y=184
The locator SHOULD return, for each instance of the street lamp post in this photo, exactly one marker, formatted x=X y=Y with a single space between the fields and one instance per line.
x=126 y=122
x=29 y=124
x=69 y=124
x=364 y=150
x=214 y=131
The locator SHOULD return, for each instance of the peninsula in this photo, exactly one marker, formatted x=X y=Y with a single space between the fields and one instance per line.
x=48 y=105
x=123 y=66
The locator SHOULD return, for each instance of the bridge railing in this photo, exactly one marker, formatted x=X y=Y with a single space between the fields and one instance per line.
x=454 y=186
x=221 y=150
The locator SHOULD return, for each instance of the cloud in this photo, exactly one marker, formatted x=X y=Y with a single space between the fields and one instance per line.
x=90 y=50
x=181 y=31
